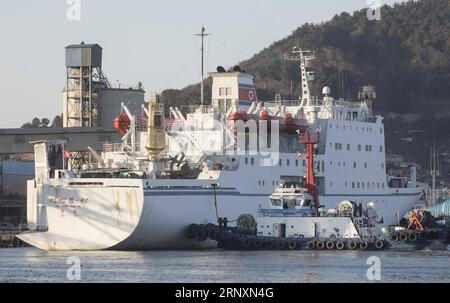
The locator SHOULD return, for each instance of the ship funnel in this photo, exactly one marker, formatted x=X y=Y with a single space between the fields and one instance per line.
x=156 y=134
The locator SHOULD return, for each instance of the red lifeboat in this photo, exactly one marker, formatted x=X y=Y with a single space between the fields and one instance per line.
x=291 y=125
x=238 y=115
x=264 y=115
x=122 y=123
x=241 y=115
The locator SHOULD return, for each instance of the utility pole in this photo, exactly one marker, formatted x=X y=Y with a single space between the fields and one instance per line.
x=203 y=34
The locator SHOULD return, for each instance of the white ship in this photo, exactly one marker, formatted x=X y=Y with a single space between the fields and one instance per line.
x=166 y=174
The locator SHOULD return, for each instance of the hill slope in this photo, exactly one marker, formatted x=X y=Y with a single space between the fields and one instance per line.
x=406 y=55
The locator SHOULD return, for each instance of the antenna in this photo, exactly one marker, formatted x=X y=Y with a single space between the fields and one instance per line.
x=203 y=35
x=434 y=172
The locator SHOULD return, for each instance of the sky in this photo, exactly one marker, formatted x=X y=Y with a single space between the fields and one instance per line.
x=143 y=40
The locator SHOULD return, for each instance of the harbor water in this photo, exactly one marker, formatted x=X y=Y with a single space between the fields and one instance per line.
x=27 y=264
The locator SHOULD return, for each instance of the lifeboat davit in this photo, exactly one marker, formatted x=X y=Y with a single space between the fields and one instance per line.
x=122 y=123
x=291 y=125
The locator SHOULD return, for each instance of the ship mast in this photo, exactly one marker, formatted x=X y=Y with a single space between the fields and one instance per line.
x=310 y=139
x=203 y=35
x=303 y=57
x=434 y=172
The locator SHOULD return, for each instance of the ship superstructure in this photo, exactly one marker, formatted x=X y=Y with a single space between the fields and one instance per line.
x=211 y=161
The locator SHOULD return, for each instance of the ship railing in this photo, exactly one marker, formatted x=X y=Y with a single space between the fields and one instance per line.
x=282 y=103
x=275 y=212
x=118 y=147
x=202 y=109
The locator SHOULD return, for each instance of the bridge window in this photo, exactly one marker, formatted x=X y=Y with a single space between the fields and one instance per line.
x=280 y=162
x=296 y=162
x=359 y=147
x=252 y=161
x=246 y=160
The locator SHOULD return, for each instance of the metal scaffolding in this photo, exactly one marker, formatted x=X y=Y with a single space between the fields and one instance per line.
x=84 y=81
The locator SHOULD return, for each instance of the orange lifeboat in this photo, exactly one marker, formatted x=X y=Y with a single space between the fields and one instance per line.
x=238 y=115
x=264 y=115
x=122 y=123
x=291 y=125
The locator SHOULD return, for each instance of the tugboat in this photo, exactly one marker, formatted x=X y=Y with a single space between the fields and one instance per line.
x=296 y=220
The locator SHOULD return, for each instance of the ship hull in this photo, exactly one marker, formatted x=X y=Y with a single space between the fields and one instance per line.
x=124 y=215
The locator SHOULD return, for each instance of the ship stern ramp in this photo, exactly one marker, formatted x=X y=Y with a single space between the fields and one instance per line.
x=83 y=214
